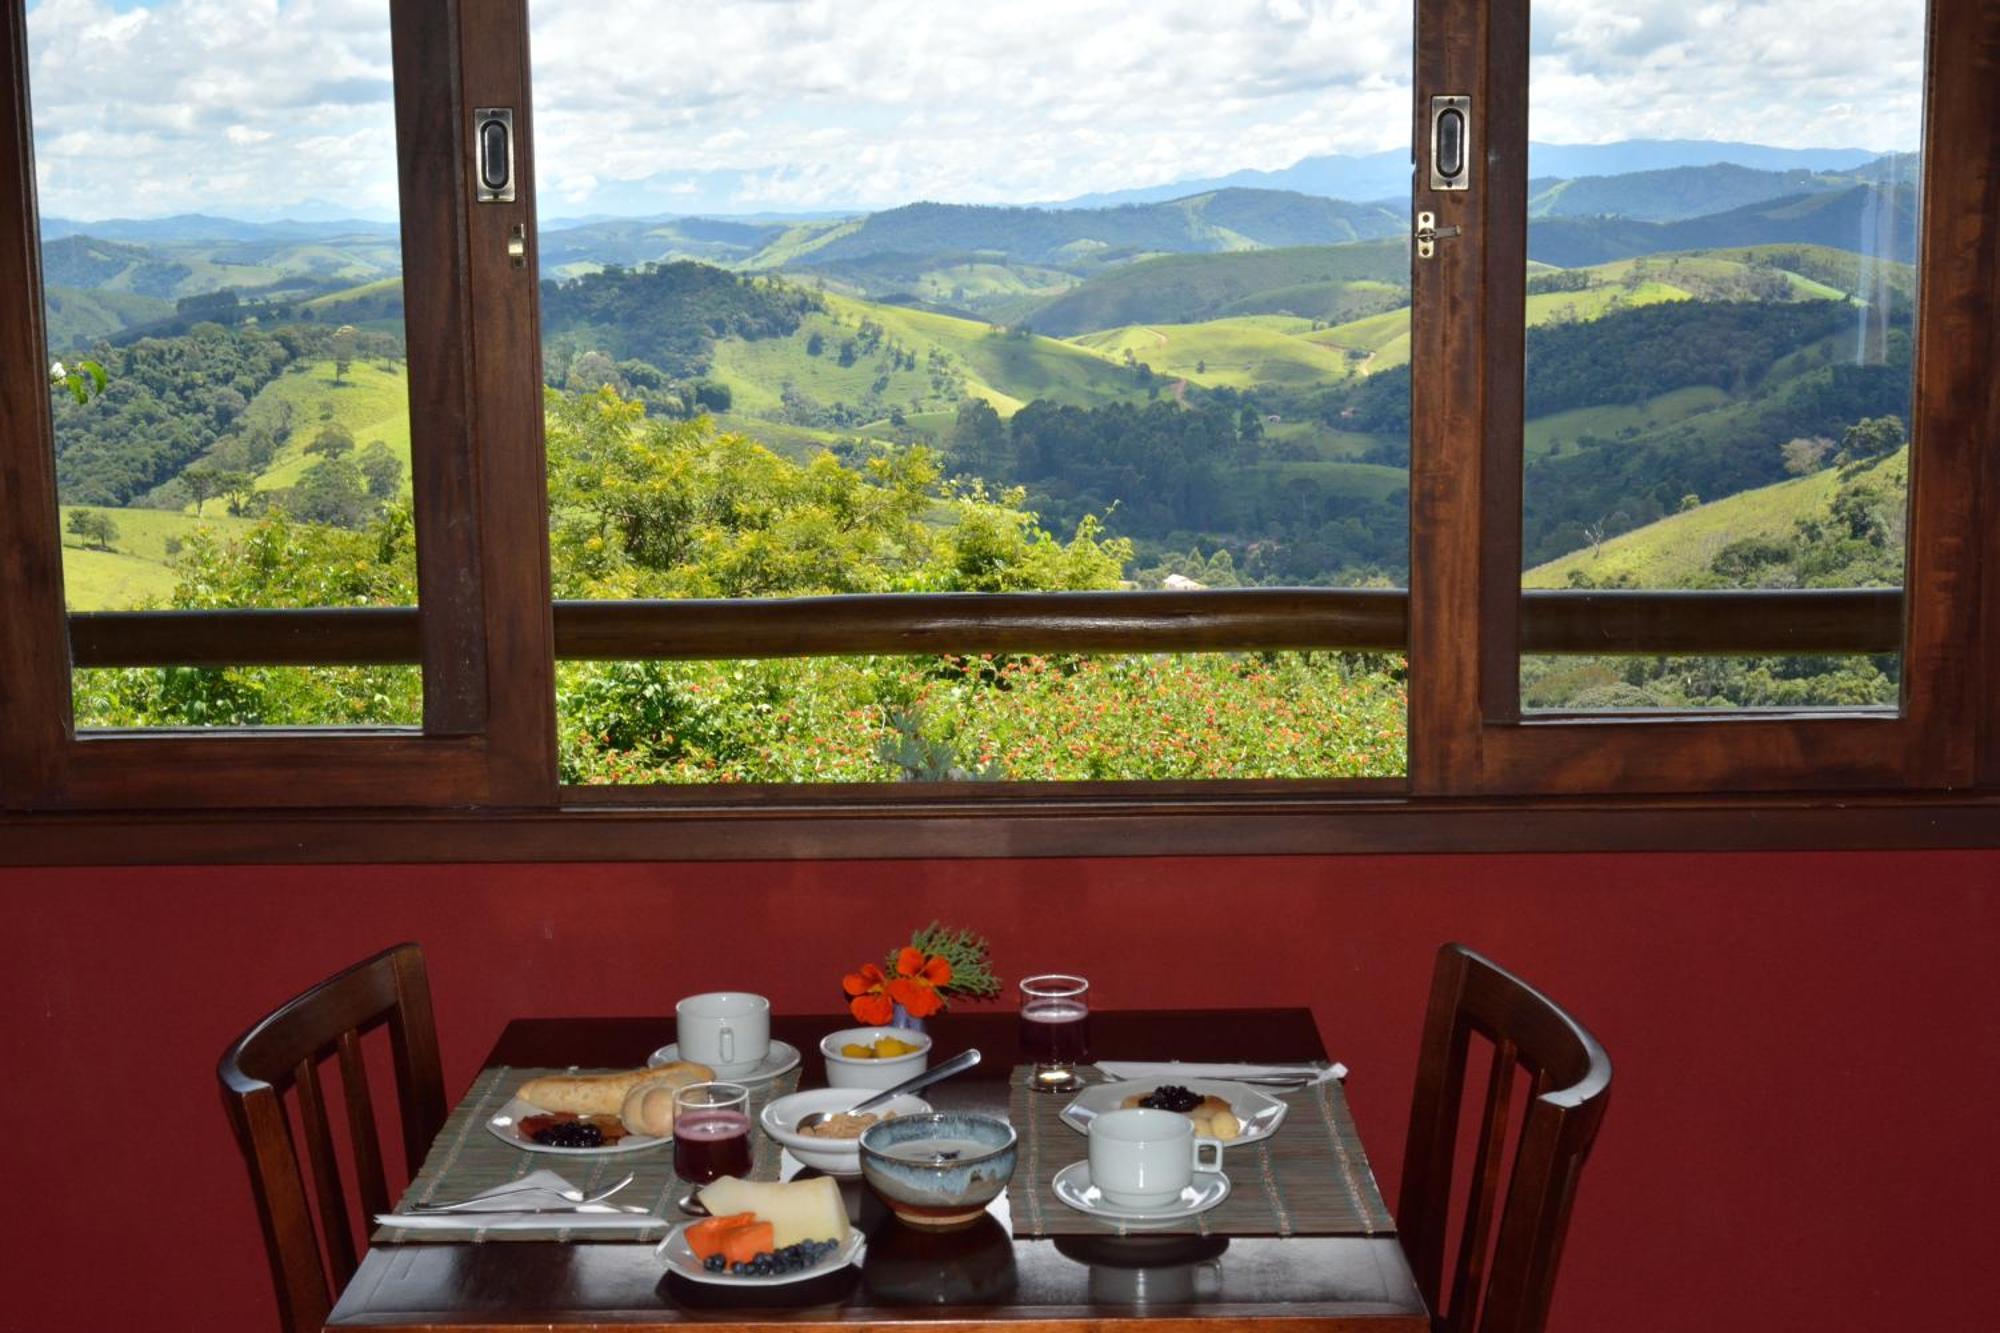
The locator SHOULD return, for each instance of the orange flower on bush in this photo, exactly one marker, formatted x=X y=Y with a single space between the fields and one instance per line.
x=874 y=994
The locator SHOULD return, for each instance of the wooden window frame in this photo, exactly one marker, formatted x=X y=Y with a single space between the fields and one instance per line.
x=1480 y=776
x=488 y=733
x=1468 y=732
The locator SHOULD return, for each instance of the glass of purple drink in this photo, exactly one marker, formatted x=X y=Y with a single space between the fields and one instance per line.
x=1055 y=1030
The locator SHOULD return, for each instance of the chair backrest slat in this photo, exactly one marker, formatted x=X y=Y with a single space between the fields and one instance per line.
x=327 y=1191
x=281 y=1054
x=368 y=1174
x=1477 y=1227
x=1503 y=1286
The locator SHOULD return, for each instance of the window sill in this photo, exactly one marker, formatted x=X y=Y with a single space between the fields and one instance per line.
x=947 y=824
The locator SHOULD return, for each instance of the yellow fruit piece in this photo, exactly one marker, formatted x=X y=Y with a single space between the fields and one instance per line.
x=888 y=1047
x=856 y=1051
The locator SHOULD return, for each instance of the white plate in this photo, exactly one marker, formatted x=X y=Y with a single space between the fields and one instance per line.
x=680 y=1257
x=1260 y=1113
x=782 y=1057
x=505 y=1125
x=1072 y=1185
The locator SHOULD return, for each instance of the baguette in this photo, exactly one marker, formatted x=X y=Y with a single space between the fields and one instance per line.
x=604 y=1094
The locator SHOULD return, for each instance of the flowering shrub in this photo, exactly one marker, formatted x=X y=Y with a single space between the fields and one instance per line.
x=1128 y=716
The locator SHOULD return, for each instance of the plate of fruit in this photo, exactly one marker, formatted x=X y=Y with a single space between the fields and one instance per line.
x=764 y=1234
x=1228 y=1112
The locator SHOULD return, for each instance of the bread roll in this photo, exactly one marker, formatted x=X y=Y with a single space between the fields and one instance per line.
x=649 y=1108
x=604 y=1094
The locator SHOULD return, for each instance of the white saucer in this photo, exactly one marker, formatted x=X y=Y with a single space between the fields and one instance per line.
x=782 y=1057
x=1072 y=1185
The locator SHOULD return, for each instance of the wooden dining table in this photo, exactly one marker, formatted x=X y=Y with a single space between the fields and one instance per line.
x=949 y=1281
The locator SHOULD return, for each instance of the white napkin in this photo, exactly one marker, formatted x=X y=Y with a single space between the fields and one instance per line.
x=1130 y=1069
x=507 y=1207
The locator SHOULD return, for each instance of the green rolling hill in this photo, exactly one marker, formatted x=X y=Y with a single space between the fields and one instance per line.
x=918 y=361
x=78 y=317
x=373 y=404
x=1675 y=550
x=137 y=570
x=1327 y=282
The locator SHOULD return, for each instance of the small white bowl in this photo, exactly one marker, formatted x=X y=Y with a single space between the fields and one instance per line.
x=836 y=1157
x=847 y=1071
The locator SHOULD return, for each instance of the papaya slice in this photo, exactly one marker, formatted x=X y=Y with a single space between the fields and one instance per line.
x=707 y=1236
x=742 y=1244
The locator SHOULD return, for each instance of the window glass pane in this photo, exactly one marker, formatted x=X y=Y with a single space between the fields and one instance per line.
x=220 y=252
x=1031 y=717
x=894 y=297
x=1723 y=222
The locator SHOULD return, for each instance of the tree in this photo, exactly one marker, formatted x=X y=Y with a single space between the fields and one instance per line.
x=333 y=441
x=1871 y=437
x=977 y=434
x=815 y=343
x=204 y=484
x=331 y=492
x=342 y=347
x=381 y=470
x=97 y=530
x=1805 y=454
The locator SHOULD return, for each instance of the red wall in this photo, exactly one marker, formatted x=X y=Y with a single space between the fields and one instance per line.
x=1807 y=1046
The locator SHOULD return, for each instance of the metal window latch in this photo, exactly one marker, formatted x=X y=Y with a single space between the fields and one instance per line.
x=1451 y=142
x=1428 y=234
x=493 y=153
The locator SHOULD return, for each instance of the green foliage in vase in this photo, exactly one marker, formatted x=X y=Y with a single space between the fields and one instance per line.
x=972 y=975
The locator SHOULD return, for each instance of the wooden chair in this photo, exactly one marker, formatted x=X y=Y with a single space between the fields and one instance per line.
x=284 y=1052
x=1506 y=1291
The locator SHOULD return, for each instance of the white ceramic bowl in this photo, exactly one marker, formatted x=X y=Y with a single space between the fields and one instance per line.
x=848 y=1071
x=836 y=1157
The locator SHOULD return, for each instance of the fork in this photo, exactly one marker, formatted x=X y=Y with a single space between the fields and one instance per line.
x=576 y=1198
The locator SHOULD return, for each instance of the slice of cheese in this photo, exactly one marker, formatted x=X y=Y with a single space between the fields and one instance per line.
x=797 y=1210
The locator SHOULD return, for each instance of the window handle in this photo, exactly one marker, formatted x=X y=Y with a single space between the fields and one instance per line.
x=1451 y=142
x=493 y=154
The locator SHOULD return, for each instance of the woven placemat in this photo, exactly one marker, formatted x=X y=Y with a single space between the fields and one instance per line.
x=1311 y=1178
x=467 y=1159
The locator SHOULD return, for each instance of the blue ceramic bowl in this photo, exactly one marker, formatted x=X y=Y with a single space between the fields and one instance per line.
x=938 y=1192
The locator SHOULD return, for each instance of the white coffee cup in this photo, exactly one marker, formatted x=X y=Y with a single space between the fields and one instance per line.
x=729 y=1031
x=1142 y=1158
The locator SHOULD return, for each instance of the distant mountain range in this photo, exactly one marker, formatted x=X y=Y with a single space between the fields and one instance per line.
x=1873 y=220
x=1386 y=175
x=203 y=227
x=1010 y=265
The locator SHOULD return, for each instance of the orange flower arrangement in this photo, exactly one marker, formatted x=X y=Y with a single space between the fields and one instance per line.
x=874 y=994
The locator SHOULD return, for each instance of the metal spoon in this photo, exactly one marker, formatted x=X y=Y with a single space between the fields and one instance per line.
x=958 y=1064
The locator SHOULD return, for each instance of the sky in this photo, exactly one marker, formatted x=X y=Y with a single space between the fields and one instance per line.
x=271 y=108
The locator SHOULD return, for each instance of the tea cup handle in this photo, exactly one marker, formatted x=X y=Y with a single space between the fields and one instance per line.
x=726 y=1039
x=1214 y=1163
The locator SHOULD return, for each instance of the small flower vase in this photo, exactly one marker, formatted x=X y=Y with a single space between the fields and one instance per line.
x=901 y=1019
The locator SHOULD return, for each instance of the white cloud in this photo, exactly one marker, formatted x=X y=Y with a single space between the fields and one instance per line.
x=251 y=105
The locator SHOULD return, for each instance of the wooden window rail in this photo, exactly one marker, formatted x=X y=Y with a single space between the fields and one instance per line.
x=1568 y=622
